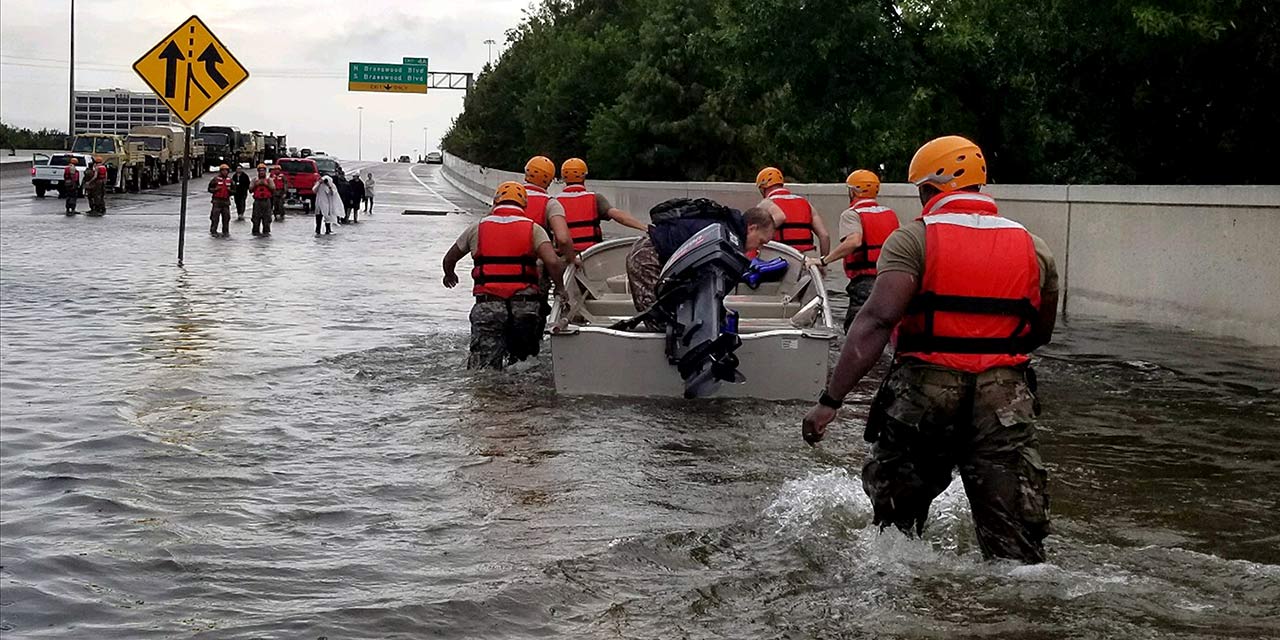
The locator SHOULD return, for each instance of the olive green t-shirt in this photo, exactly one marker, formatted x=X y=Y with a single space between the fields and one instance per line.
x=904 y=251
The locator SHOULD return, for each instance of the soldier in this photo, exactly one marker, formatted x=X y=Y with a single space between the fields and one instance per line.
x=220 y=186
x=864 y=227
x=960 y=392
x=263 y=187
x=240 y=190
x=802 y=225
x=506 y=247
x=71 y=185
x=584 y=210
x=277 y=197
x=95 y=187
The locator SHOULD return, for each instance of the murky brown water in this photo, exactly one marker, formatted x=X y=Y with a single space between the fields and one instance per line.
x=280 y=441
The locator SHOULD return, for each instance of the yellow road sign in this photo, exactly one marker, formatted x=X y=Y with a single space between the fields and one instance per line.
x=387 y=87
x=191 y=70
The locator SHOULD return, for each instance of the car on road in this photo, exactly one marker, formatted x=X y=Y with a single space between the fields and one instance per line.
x=405 y=159
x=46 y=171
x=305 y=153
x=327 y=165
x=435 y=157
x=301 y=176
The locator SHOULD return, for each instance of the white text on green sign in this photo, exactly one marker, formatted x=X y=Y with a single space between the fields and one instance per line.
x=380 y=72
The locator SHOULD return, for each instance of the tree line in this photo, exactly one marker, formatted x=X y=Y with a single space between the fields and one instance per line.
x=1056 y=91
x=21 y=138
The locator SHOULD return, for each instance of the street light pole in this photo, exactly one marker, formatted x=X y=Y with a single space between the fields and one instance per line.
x=71 y=93
x=360 y=135
x=424 y=140
x=490 y=42
x=391 y=134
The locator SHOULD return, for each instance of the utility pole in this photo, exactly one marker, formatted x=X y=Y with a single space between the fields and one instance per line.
x=391 y=134
x=490 y=42
x=360 y=135
x=424 y=140
x=71 y=93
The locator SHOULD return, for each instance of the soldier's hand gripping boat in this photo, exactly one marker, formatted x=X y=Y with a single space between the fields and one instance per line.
x=723 y=338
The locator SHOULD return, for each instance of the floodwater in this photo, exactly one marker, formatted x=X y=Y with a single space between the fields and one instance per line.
x=281 y=441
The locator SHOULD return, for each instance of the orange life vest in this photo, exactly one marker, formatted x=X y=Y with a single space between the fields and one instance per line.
x=536 y=210
x=278 y=180
x=69 y=174
x=505 y=261
x=980 y=293
x=581 y=216
x=797 y=231
x=102 y=172
x=261 y=189
x=877 y=223
x=221 y=188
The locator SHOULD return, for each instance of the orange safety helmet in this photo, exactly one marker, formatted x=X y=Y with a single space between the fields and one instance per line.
x=948 y=163
x=540 y=170
x=768 y=178
x=511 y=193
x=262 y=165
x=223 y=166
x=97 y=159
x=574 y=170
x=72 y=161
x=863 y=183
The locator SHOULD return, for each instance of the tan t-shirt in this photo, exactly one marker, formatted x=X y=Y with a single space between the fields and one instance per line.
x=904 y=251
x=470 y=239
x=850 y=223
x=554 y=208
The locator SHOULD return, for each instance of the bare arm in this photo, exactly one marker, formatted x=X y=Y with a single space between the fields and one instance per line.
x=564 y=241
x=547 y=254
x=820 y=230
x=450 y=262
x=626 y=219
x=846 y=247
x=1042 y=330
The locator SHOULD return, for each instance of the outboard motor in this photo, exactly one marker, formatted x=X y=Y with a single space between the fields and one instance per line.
x=701 y=334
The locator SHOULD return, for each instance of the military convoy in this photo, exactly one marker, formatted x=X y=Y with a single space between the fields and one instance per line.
x=150 y=156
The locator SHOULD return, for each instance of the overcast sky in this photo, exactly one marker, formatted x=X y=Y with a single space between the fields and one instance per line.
x=296 y=52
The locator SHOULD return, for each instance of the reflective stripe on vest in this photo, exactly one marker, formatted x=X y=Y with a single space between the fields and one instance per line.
x=797 y=231
x=221 y=188
x=581 y=216
x=537 y=208
x=877 y=223
x=505 y=263
x=261 y=190
x=980 y=292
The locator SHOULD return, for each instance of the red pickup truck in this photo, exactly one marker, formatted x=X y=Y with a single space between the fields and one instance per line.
x=301 y=176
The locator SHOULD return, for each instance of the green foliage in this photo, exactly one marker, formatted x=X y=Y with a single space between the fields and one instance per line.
x=1057 y=91
x=19 y=138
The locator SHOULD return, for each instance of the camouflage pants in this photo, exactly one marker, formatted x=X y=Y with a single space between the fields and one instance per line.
x=277 y=206
x=859 y=289
x=262 y=216
x=926 y=421
x=643 y=268
x=97 y=199
x=220 y=213
x=505 y=331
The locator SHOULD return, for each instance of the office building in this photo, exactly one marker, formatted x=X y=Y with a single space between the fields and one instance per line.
x=118 y=110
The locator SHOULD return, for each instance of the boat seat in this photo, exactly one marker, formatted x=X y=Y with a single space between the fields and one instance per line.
x=611 y=305
x=618 y=284
x=749 y=308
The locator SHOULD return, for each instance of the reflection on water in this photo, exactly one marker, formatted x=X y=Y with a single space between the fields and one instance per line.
x=282 y=441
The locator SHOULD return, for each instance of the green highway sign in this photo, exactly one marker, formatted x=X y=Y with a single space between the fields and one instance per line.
x=418 y=62
x=382 y=73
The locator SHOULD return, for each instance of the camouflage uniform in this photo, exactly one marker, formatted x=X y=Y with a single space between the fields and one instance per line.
x=927 y=420
x=859 y=289
x=505 y=331
x=220 y=213
x=643 y=268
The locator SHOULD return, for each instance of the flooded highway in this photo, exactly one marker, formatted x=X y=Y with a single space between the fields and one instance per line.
x=280 y=440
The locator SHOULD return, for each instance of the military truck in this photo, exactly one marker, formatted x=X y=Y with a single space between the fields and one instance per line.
x=275 y=147
x=254 y=149
x=125 y=165
x=160 y=158
x=176 y=136
x=222 y=144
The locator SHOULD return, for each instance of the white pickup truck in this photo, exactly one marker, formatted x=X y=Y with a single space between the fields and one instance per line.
x=46 y=171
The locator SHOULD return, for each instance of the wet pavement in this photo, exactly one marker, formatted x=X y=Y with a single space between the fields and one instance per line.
x=280 y=440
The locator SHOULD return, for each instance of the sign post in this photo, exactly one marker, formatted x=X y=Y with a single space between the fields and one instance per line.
x=190 y=57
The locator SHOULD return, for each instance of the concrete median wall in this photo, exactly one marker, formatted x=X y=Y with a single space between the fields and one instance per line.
x=1200 y=258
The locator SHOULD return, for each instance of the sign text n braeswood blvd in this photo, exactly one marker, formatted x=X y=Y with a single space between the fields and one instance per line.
x=386 y=78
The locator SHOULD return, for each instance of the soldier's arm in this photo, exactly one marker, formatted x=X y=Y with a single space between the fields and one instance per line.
x=547 y=254
x=564 y=241
x=871 y=329
x=451 y=259
x=1046 y=319
x=846 y=247
x=820 y=230
x=626 y=219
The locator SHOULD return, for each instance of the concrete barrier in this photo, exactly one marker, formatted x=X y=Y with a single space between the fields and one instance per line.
x=1200 y=258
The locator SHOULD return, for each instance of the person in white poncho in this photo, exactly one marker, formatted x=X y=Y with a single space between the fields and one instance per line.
x=328 y=204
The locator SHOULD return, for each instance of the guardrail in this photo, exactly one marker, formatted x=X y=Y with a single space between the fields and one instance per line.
x=1200 y=258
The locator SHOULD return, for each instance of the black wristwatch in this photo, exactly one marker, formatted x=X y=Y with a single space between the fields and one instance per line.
x=827 y=401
